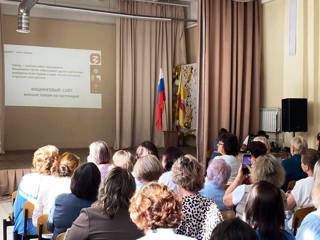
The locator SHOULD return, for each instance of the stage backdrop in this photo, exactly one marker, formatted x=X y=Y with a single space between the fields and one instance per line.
x=68 y=126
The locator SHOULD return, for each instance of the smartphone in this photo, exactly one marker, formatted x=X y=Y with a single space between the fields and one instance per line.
x=246 y=162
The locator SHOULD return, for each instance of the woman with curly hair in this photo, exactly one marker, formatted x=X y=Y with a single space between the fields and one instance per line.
x=28 y=190
x=108 y=217
x=56 y=184
x=157 y=211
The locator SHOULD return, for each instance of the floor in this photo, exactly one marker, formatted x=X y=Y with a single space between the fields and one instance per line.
x=5 y=209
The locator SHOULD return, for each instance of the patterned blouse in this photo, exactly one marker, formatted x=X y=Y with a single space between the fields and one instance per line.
x=200 y=217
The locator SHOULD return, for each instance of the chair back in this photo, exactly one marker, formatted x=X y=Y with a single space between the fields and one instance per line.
x=227 y=214
x=291 y=185
x=299 y=215
x=28 y=209
x=61 y=236
x=42 y=224
x=13 y=197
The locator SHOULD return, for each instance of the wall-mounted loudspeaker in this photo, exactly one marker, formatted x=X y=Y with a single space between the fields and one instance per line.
x=294 y=115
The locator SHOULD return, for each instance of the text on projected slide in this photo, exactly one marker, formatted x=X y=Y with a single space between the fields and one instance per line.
x=52 y=77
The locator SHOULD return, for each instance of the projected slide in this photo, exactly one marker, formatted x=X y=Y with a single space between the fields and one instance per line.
x=52 y=77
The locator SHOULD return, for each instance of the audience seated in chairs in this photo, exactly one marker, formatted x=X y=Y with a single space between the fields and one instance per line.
x=123 y=159
x=100 y=154
x=170 y=155
x=146 y=148
x=157 y=211
x=229 y=149
x=233 y=229
x=263 y=140
x=264 y=211
x=56 y=184
x=266 y=168
x=292 y=165
x=310 y=226
x=300 y=196
x=257 y=149
x=28 y=190
x=147 y=169
x=84 y=190
x=108 y=217
x=218 y=174
x=200 y=214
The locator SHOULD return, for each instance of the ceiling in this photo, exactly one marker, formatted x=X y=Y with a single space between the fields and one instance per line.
x=10 y=7
x=110 y=4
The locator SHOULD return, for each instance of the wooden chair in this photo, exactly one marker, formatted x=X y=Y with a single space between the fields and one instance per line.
x=291 y=185
x=9 y=221
x=27 y=214
x=43 y=232
x=227 y=214
x=298 y=216
x=61 y=236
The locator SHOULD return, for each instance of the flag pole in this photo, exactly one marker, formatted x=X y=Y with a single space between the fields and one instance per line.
x=166 y=116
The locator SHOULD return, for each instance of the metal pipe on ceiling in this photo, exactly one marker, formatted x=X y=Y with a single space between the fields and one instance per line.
x=107 y=12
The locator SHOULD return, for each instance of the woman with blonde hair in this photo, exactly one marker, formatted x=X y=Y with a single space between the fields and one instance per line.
x=310 y=226
x=58 y=183
x=266 y=168
x=147 y=169
x=157 y=211
x=28 y=190
x=123 y=159
x=100 y=154
x=292 y=165
x=200 y=214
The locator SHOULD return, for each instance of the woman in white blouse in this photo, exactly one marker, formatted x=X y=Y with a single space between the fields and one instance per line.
x=57 y=183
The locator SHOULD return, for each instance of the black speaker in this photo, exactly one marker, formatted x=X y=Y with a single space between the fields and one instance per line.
x=294 y=115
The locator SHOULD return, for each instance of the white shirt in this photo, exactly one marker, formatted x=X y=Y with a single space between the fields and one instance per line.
x=302 y=192
x=166 y=179
x=164 y=234
x=50 y=188
x=233 y=162
x=302 y=195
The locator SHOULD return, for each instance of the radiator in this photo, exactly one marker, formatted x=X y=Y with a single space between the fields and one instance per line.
x=270 y=119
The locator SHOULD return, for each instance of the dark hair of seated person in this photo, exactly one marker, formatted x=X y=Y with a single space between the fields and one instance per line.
x=170 y=155
x=230 y=143
x=257 y=148
x=233 y=229
x=115 y=191
x=151 y=147
x=264 y=210
x=85 y=181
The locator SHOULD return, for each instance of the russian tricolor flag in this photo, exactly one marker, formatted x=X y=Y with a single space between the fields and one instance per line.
x=161 y=98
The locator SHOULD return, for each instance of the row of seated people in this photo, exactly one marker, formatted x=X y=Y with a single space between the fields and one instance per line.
x=107 y=212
